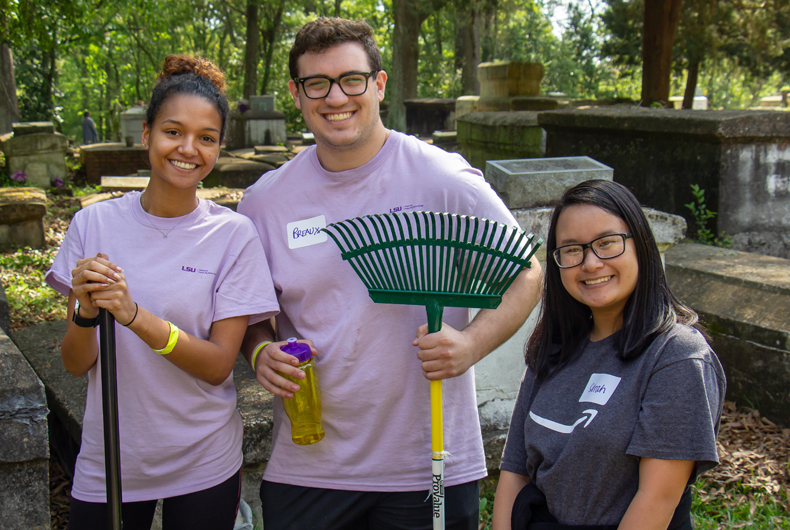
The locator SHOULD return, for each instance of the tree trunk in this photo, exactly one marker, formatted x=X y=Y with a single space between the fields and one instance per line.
x=271 y=41
x=658 y=35
x=337 y=7
x=9 y=105
x=251 y=50
x=691 y=84
x=405 y=58
x=467 y=47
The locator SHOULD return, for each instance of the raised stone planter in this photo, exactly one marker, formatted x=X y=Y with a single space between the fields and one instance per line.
x=24 y=444
x=36 y=150
x=485 y=136
x=744 y=301
x=21 y=217
x=527 y=183
x=740 y=159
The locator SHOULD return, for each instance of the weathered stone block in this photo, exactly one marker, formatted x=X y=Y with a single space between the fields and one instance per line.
x=124 y=183
x=112 y=159
x=41 y=156
x=744 y=300
x=33 y=127
x=264 y=102
x=740 y=158
x=529 y=183
x=465 y=105
x=24 y=444
x=21 y=217
x=509 y=78
x=236 y=173
x=487 y=136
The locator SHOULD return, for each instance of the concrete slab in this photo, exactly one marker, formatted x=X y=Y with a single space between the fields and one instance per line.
x=124 y=183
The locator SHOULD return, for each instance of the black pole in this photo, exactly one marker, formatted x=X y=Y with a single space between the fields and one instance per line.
x=109 y=398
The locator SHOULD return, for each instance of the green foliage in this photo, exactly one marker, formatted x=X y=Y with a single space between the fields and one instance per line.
x=29 y=298
x=702 y=215
x=752 y=509
x=487 y=492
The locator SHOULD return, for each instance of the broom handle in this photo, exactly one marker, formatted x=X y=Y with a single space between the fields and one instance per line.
x=435 y=310
x=109 y=387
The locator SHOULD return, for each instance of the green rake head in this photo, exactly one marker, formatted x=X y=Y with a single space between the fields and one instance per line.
x=447 y=259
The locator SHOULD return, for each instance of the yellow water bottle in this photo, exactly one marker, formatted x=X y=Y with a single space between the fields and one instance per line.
x=304 y=409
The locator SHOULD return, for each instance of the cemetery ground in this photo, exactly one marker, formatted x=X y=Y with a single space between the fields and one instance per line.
x=750 y=489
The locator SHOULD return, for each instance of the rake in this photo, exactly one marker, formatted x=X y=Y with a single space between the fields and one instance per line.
x=437 y=260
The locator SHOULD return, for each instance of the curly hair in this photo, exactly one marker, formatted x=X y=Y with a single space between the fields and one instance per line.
x=182 y=74
x=324 y=33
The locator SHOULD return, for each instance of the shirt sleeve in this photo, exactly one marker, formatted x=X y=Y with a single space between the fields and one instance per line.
x=71 y=250
x=247 y=287
x=514 y=457
x=680 y=412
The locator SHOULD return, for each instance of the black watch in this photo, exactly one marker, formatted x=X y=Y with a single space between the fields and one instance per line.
x=82 y=321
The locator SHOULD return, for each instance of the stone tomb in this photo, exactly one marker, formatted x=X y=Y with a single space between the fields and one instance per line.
x=740 y=158
x=22 y=212
x=743 y=300
x=541 y=181
x=35 y=149
x=426 y=115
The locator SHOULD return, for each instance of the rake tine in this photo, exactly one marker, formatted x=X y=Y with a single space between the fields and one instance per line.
x=397 y=250
x=372 y=257
x=359 y=263
x=386 y=249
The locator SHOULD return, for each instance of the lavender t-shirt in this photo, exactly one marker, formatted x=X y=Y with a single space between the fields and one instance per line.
x=178 y=434
x=376 y=401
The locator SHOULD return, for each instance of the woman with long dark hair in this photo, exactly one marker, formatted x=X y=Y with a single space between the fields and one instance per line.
x=620 y=404
x=183 y=277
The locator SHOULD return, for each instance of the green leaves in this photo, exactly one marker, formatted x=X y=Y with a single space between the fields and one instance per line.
x=702 y=215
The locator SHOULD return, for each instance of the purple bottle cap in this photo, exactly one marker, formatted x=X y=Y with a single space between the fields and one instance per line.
x=300 y=350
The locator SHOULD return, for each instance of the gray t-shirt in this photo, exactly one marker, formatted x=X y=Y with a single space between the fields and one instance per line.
x=588 y=425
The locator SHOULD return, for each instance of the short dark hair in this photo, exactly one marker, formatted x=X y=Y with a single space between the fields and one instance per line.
x=324 y=33
x=565 y=323
x=182 y=74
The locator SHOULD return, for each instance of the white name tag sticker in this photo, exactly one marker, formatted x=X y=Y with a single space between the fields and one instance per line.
x=306 y=232
x=599 y=389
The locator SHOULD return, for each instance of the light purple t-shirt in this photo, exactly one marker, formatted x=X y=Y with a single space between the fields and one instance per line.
x=376 y=400
x=178 y=434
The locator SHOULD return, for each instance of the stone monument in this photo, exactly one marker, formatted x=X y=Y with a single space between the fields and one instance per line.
x=22 y=212
x=35 y=149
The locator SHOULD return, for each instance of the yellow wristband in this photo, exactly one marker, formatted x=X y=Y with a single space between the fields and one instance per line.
x=171 y=341
x=257 y=350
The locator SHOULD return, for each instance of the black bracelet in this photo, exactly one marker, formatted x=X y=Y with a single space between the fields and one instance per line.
x=136 y=309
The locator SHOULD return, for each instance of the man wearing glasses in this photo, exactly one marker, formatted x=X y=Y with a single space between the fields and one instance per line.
x=372 y=468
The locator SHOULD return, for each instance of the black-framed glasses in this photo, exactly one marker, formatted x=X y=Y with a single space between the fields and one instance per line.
x=353 y=84
x=605 y=247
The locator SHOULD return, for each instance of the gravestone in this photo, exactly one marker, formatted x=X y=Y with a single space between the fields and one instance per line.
x=35 y=149
x=132 y=124
x=22 y=213
x=260 y=125
x=540 y=181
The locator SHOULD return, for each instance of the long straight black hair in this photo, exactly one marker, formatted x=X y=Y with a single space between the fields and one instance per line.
x=565 y=323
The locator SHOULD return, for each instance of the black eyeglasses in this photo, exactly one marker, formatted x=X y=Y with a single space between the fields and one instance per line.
x=353 y=84
x=606 y=247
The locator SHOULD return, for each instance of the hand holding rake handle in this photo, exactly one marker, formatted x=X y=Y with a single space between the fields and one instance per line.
x=437 y=260
x=112 y=448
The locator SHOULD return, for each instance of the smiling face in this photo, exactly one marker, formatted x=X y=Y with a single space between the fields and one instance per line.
x=603 y=285
x=347 y=126
x=184 y=141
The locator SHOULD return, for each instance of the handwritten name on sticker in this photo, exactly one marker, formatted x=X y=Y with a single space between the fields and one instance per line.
x=306 y=232
x=599 y=389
